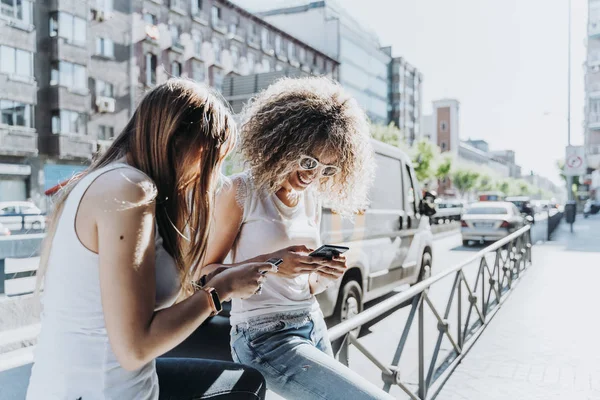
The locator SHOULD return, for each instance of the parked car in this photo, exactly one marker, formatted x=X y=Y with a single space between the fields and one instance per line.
x=490 y=221
x=523 y=203
x=591 y=207
x=390 y=243
x=18 y=215
x=4 y=231
x=447 y=210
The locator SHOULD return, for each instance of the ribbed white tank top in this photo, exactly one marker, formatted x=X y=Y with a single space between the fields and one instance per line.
x=73 y=357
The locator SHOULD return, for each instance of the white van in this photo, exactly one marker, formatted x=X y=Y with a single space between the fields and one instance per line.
x=21 y=215
x=390 y=243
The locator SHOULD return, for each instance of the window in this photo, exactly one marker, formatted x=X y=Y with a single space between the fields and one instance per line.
x=302 y=54
x=105 y=47
x=176 y=69
x=20 y=10
x=251 y=61
x=104 y=89
x=15 y=113
x=106 y=132
x=198 y=72
x=72 y=29
x=68 y=122
x=264 y=38
x=215 y=15
x=217 y=49
x=411 y=191
x=444 y=146
x=196 y=7
x=8 y=210
x=291 y=50
x=197 y=39
x=266 y=66
x=72 y=76
x=218 y=80
x=177 y=4
x=277 y=44
x=175 y=34
x=235 y=23
x=150 y=19
x=235 y=56
x=386 y=192
x=443 y=126
x=16 y=61
x=151 y=62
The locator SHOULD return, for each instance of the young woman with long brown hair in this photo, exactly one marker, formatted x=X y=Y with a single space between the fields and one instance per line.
x=124 y=239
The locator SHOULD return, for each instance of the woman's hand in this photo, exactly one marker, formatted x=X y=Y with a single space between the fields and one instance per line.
x=296 y=261
x=332 y=269
x=241 y=281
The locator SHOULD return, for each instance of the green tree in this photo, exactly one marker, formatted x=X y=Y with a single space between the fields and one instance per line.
x=443 y=168
x=389 y=134
x=424 y=155
x=464 y=180
x=485 y=183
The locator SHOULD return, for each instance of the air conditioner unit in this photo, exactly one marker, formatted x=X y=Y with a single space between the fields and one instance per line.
x=99 y=15
x=105 y=104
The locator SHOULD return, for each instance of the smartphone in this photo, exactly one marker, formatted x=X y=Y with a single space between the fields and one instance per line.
x=274 y=261
x=329 y=251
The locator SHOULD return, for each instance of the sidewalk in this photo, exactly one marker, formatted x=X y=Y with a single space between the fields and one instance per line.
x=545 y=341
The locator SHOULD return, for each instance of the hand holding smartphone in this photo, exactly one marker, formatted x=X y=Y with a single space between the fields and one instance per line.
x=328 y=251
x=275 y=261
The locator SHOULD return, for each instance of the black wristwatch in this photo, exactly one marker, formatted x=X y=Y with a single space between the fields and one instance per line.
x=215 y=300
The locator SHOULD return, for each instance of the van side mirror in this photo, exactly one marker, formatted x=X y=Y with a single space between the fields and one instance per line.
x=427 y=205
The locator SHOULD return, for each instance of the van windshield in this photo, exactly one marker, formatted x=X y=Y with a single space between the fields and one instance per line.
x=487 y=210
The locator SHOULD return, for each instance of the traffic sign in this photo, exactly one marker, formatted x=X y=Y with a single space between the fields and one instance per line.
x=575 y=164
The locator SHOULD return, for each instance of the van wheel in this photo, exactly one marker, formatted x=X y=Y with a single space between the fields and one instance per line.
x=425 y=271
x=466 y=243
x=349 y=304
x=36 y=225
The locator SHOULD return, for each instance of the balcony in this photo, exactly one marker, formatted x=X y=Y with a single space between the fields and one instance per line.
x=267 y=48
x=237 y=35
x=593 y=121
x=68 y=146
x=253 y=42
x=219 y=26
x=593 y=156
x=201 y=18
x=593 y=90
x=62 y=97
x=18 y=141
x=177 y=46
x=61 y=49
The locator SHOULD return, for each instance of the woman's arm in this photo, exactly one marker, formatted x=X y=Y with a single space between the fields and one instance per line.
x=125 y=238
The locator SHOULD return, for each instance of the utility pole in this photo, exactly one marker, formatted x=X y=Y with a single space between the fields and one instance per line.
x=569 y=178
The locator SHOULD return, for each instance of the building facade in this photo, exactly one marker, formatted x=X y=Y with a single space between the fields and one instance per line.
x=72 y=71
x=364 y=66
x=405 y=96
x=592 y=92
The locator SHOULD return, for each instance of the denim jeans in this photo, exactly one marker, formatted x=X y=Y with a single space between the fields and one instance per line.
x=294 y=355
x=195 y=379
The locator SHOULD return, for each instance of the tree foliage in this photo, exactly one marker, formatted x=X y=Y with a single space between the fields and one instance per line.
x=464 y=180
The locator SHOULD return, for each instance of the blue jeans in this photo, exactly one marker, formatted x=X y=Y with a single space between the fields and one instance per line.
x=295 y=357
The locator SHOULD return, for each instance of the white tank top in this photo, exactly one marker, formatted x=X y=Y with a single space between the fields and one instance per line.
x=269 y=225
x=73 y=357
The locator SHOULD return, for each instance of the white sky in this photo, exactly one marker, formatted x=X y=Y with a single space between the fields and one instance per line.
x=505 y=61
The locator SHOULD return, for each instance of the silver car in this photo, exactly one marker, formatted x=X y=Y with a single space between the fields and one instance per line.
x=490 y=221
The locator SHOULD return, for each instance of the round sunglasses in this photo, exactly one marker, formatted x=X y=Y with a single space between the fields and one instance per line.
x=308 y=163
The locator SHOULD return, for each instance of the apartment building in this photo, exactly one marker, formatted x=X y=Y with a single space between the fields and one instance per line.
x=72 y=72
x=18 y=99
x=592 y=93
x=364 y=65
x=405 y=96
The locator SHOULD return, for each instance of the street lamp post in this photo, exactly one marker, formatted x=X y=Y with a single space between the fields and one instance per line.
x=569 y=178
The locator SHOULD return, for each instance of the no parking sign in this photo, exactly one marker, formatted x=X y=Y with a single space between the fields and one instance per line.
x=575 y=164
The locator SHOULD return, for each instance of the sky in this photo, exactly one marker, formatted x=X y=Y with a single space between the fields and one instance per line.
x=505 y=61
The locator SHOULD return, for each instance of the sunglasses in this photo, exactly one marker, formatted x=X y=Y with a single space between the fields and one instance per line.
x=308 y=163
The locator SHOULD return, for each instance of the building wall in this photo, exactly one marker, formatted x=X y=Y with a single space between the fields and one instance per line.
x=405 y=99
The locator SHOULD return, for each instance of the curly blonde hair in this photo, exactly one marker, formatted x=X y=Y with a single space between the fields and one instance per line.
x=298 y=116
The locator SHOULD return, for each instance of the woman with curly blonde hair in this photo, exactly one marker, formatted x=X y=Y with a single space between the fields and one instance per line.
x=304 y=141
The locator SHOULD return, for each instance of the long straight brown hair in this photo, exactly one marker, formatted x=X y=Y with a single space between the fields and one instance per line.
x=179 y=136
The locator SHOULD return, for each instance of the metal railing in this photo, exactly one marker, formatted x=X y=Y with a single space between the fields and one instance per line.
x=473 y=304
